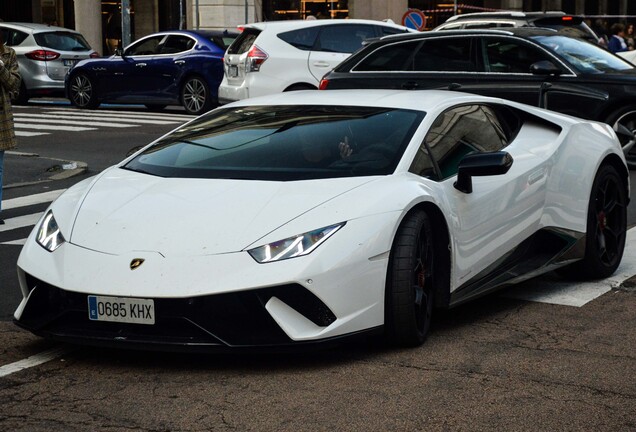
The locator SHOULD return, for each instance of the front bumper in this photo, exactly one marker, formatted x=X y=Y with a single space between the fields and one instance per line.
x=209 y=323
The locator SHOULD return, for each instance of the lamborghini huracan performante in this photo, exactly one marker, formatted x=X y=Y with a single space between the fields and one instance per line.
x=307 y=217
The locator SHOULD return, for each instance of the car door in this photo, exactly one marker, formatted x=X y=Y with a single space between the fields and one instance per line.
x=168 y=66
x=504 y=64
x=502 y=211
x=334 y=44
x=431 y=63
x=130 y=77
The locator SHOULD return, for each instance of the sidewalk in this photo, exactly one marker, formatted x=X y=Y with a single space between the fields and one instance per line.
x=23 y=169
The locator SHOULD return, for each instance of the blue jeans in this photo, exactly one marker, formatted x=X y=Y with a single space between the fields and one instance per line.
x=1 y=168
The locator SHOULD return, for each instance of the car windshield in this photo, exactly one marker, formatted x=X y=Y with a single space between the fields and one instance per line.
x=584 y=56
x=63 y=41
x=282 y=143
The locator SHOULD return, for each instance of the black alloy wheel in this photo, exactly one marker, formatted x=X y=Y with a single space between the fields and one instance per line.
x=82 y=92
x=195 y=96
x=606 y=228
x=410 y=288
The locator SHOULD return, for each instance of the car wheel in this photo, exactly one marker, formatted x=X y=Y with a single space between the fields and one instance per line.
x=156 y=107
x=606 y=228
x=195 y=96
x=626 y=117
x=409 y=290
x=82 y=92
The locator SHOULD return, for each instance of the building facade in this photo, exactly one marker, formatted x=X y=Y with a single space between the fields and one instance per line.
x=100 y=20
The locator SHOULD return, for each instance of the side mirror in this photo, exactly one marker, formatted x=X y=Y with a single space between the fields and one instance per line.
x=119 y=52
x=544 y=67
x=481 y=164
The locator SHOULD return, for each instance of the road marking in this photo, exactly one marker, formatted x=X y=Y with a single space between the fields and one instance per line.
x=561 y=292
x=19 y=125
x=29 y=134
x=31 y=199
x=78 y=121
x=81 y=119
x=20 y=221
x=121 y=113
x=34 y=360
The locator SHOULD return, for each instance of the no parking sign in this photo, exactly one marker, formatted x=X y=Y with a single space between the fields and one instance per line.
x=414 y=19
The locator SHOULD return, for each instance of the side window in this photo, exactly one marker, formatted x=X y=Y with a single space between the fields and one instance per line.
x=505 y=55
x=303 y=39
x=445 y=54
x=343 y=38
x=393 y=57
x=455 y=26
x=147 y=46
x=177 y=44
x=13 y=37
x=454 y=134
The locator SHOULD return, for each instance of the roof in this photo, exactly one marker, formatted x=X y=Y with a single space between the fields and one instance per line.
x=37 y=27
x=293 y=24
x=419 y=100
x=507 y=14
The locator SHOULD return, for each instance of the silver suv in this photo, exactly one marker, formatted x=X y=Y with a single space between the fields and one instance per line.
x=555 y=20
x=45 y=55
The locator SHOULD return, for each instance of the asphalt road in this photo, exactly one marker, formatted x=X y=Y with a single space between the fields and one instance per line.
x=499 y=363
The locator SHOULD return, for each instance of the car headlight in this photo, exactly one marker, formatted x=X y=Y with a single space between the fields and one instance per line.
x=49 y=235
x=300 y=245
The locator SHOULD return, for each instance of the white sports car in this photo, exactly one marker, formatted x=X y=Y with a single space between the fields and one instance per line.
x=305 y=217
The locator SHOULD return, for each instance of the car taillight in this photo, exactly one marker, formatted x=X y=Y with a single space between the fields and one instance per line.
x=42 y=55
x=567 y=18
x=255 y=58
x=94 y=55
x=324 y=83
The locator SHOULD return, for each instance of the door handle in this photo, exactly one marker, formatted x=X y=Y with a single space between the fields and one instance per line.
x=410 y=85
x=321 y=64
x=141 y=65
x=179 y=62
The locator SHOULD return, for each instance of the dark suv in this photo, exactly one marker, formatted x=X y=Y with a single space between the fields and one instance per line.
x=571 y=25
x=528 y=65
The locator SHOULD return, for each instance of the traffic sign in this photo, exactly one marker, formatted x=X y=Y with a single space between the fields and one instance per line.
x=414 y=19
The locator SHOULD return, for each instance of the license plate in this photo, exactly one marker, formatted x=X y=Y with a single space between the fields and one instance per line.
x=69 y=62
x=121 y=309
x=232 y=71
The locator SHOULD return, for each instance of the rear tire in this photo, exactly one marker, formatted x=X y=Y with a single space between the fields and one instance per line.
x=606 y=228
x=195 y=96
x=82 y=92
x=409 y=291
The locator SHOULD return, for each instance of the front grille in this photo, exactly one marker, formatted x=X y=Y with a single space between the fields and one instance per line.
x=232 y=319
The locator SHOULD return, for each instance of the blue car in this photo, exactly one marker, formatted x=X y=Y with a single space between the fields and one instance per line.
x=183 y=67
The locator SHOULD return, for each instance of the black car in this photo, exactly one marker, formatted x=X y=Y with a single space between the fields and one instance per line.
x=572 y=25
x=534 y=66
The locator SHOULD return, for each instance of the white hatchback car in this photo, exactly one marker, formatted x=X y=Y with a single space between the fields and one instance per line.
x=272 y=57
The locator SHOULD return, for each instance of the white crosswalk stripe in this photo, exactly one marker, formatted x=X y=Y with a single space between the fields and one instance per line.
x=51 y=119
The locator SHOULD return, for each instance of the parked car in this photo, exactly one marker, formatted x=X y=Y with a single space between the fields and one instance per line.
x=306 y=217
x=272 y=57
x=561 y=22
x=533 y=66
x=167 y=68
x=45 y=55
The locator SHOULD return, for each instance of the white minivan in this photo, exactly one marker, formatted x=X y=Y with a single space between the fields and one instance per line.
x=272 y=57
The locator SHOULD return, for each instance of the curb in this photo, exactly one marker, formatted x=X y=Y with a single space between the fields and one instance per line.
x=61 y=170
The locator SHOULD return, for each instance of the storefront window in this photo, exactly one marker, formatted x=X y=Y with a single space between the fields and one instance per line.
x=277 y=10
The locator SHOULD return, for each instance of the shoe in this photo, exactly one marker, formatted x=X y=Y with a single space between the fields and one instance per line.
x=1 y=221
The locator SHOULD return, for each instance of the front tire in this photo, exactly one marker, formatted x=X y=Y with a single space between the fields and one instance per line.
x=82 y=92
x=410 y=288
x=606 y=228
x=195 y=96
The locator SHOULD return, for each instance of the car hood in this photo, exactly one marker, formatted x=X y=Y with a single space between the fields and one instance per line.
x=124 y=211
